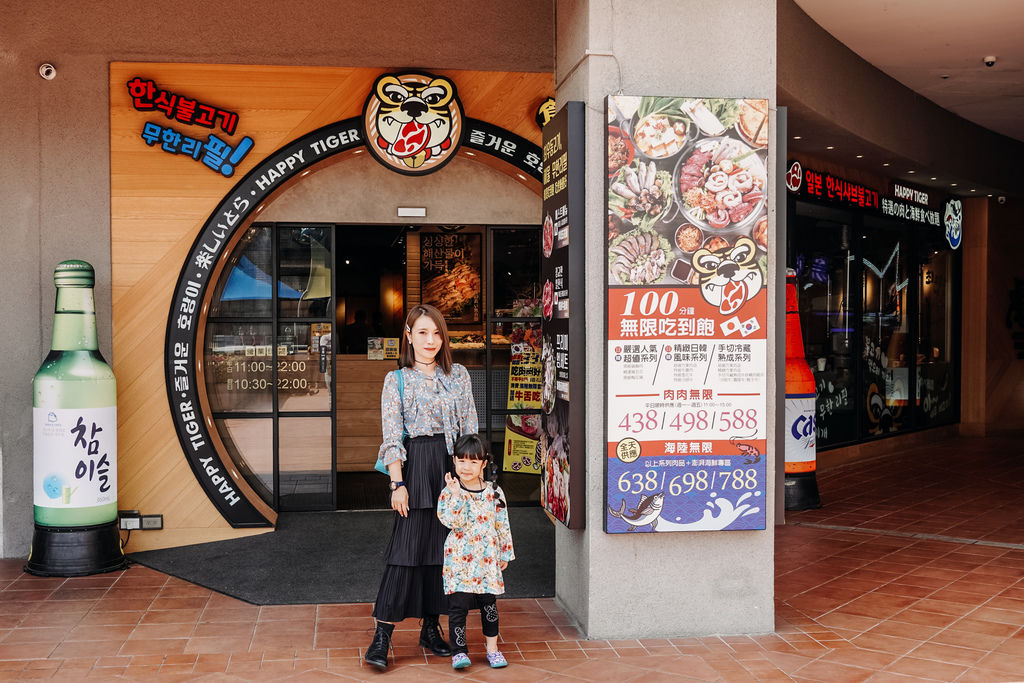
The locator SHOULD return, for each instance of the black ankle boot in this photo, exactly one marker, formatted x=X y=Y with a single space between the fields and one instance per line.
x=432 y=638
x=377 y=653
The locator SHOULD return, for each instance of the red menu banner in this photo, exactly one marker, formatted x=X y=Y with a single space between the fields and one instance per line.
x=686 y=325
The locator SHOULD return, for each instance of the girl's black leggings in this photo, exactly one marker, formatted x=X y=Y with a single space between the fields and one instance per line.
x=459 y=605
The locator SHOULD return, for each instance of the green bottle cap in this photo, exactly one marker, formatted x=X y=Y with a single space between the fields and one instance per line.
x=74 y=273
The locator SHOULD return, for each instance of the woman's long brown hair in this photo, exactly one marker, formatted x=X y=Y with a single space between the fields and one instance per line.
x=407 y=357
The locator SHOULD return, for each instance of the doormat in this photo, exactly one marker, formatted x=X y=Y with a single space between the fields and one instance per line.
x=336 y=557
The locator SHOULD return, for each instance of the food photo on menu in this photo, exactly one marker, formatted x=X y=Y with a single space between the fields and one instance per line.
x=553 y=454
x=548 y=236
x=686 y=176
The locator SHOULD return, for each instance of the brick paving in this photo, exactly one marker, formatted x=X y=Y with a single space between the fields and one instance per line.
x=900 y=577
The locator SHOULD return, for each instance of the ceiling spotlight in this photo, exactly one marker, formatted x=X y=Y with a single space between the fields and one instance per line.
x=934 y=178
x=860 y=156
x=952 y=184
x=885 y=163
x=830 y=147
x=973 y=190
x=943 y=76
x=990 y=61
x=798 y=137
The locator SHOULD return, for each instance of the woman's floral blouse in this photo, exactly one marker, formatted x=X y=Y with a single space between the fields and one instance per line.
x=433 y=405
x=480 y=539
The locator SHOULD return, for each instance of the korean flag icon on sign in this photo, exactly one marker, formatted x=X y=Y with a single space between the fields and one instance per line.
x=748 y=327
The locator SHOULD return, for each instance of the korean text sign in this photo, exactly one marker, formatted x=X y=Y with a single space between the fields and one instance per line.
x=687 y=246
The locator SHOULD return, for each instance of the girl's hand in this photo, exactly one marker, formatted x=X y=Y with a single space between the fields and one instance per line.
x=503 y=565
x=400 y=501
x=452 y=483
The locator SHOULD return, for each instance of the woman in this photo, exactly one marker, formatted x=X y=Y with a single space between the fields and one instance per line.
x=435 y=408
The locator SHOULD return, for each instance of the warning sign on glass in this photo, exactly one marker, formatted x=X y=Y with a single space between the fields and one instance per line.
x=687 y=247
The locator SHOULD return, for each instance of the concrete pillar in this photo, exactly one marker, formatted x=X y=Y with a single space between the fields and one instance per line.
x=661 y=584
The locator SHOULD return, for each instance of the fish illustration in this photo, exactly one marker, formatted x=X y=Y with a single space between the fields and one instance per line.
x=646 y=511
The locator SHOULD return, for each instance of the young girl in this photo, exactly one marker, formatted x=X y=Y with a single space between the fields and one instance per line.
x=477 y=549
x=420 y=423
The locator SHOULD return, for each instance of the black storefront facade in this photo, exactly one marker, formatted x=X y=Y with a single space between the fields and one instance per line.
x=878 y=276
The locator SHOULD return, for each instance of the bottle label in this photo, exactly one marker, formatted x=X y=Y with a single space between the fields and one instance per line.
x=75 y=457
x=800 y=434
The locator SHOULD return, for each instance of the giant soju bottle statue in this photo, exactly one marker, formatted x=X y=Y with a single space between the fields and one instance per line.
x=74 y=441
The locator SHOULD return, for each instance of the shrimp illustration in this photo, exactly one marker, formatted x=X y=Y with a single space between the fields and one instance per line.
x=752 y=454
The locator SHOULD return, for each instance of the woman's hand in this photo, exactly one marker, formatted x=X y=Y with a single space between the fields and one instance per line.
x=400 y=501
x=503 y=565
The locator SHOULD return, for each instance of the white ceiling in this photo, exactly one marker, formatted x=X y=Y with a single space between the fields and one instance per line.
x=937 y=48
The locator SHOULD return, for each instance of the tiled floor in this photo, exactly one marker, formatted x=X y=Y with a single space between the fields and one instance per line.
x=913 y=570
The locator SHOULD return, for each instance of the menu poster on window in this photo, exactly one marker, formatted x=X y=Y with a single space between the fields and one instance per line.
x=522 y=431
x=375 y=348
x=687 y=319
x=562 y=467
x=450 y=273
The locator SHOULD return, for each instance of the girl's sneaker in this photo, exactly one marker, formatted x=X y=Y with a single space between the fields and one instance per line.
x=496 y=660
x=461 y=660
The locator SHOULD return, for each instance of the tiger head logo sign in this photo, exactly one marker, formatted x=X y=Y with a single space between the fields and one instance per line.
x=413 y=122
x=729 y=276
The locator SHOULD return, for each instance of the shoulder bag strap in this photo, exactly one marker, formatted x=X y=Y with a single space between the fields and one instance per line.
x=401 y=399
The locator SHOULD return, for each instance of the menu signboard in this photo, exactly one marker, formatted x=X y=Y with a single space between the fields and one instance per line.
x=522 y=430
x=687 y=249
x=562 y=467
x=450 y=272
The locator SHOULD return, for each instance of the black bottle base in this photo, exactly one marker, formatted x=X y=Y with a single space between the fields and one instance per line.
x=76 y=551
x=802 y=491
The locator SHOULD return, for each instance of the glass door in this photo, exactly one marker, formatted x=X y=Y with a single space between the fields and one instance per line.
x=268 y=363
x=370 y=266
x=303 y=366
x=887 y=360
x=511 y=418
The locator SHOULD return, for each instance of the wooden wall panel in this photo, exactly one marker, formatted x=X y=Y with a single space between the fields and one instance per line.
x=358 y=410
x=159 y=202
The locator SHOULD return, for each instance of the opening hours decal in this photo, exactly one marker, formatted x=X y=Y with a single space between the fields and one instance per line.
x=687 y=248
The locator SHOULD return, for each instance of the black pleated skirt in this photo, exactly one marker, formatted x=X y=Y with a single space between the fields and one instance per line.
x=412 y=584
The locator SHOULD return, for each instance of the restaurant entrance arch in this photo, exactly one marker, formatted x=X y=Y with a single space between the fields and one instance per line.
x=232 y=486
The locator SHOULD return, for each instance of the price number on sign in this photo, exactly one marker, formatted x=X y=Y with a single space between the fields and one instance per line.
x=688 y=421
x=664 y=303
x=680 y=484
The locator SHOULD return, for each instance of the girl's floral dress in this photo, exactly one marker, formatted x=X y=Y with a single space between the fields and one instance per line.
x=479 y=540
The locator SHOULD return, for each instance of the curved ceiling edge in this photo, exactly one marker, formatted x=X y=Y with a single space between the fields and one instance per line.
x=823 y=76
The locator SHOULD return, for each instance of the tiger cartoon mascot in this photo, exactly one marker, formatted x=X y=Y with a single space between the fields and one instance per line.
x=729 y=276
x=413 y=121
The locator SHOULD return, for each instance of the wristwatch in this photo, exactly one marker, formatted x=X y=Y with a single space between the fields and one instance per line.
x=395 y=484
